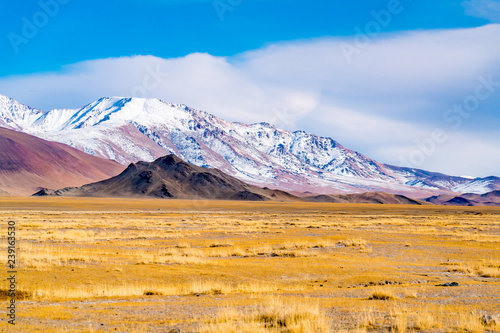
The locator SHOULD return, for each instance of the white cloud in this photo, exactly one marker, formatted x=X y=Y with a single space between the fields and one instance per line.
x=477 y=152
x=198 y=80
x=393 y=93
x=488 y=9
x=342 y=123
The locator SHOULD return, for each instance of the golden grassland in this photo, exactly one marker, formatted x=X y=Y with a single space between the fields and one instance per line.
x=131 y=265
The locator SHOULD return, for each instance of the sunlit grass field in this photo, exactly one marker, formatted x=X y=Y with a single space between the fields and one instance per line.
x=100 y=265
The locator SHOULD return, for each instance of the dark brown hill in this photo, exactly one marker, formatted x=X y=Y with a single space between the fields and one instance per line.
x=467 y=199
x=28 y=163
x=171 y=177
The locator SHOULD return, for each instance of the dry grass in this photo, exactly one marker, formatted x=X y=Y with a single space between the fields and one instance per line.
x=469 y=322
x=278 y=316
x=484 y=268
x=20 y=294
x=489 y=272
x=425 y=319
x=367 y=319
x=401 y=320
x=152 y=265
x=353 y=242
x=199 y=287
x=462 y=268
x=382 y=294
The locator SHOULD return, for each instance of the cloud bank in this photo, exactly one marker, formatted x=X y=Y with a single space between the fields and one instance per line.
x=385 y=102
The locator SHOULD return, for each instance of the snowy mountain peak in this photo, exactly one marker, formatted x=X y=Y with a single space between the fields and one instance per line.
x=14 y=115
x=131 y=129
x=109 y=111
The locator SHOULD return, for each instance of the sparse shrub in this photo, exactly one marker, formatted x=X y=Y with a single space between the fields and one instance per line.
x=489 y=272
x=365 y=249
x=218 y=244
x=182 y=245
x=216 y=291
x=353 y=242
x=462 y=268
x=381 y=294
x=20 y=294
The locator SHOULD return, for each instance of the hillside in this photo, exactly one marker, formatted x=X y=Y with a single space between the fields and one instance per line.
x=171 y=177
x=28 y=163
x=368 y=197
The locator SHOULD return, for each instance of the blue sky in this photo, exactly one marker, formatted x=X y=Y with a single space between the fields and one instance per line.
x=379 y=76
x=90 y=29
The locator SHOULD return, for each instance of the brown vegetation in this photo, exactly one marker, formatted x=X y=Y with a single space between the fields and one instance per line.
x=216 y=266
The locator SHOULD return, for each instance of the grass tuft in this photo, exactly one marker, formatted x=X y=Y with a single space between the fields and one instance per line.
x=382 y=294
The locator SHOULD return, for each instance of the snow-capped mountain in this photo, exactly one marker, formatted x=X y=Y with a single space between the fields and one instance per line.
x=16 y=116
x=131 y=129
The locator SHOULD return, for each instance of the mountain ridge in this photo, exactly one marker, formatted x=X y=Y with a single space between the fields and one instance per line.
x=467 y=199
x=128 y=130
x=169 y=177
x=368 y=197
x=172 y=178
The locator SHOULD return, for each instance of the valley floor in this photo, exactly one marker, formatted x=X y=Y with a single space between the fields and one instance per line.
x=101 y=265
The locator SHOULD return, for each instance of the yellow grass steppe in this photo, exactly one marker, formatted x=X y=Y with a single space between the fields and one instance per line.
x=132 y=265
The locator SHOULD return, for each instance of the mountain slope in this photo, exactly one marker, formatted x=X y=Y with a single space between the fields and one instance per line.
x=467 y=199
x=171 y=177
x=28 y=163
x=368 y=197
x=128 y=130
x=15 y=115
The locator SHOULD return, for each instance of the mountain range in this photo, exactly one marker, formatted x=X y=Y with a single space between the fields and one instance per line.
x=170 y=177
x=128 y=130
x=467 y=199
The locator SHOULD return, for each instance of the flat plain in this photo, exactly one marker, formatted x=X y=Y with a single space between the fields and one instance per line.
x=132 y=265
